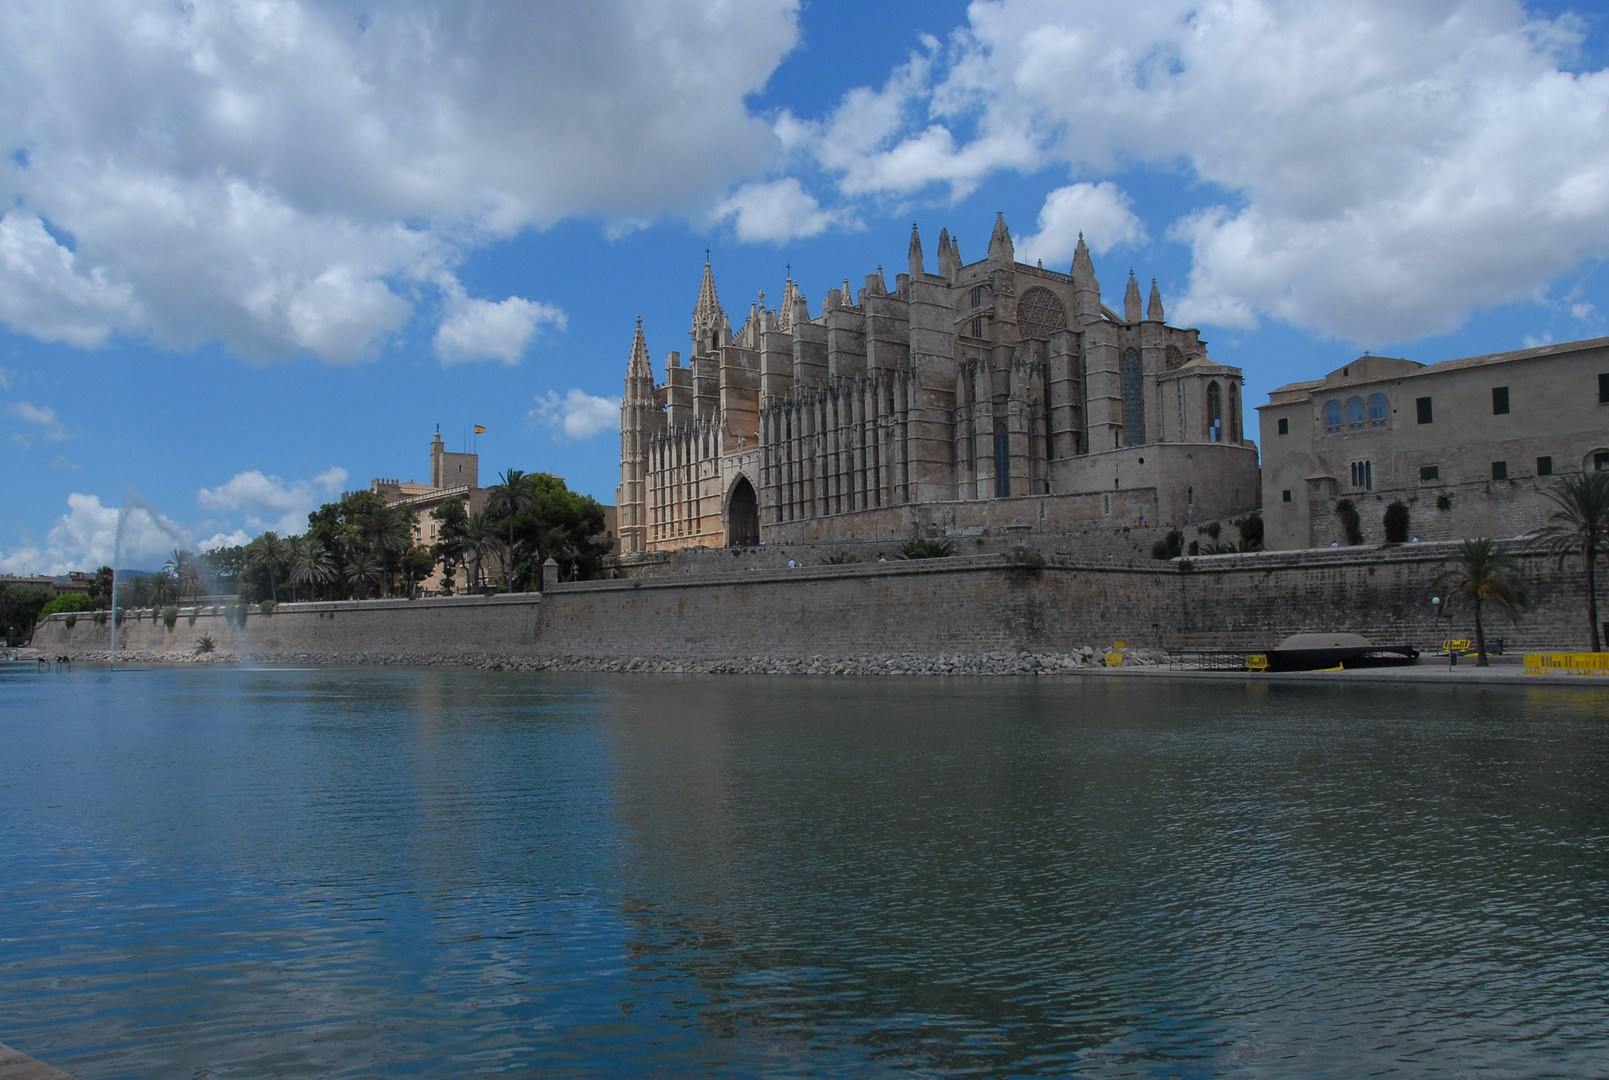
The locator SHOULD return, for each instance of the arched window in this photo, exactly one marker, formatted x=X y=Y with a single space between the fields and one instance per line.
x=977 y=297
x=1234 y=412
x=1378 y=410
x=1332 y=416
x=977 y=326
x=1215 y=413
x=1133 y=399
x=1354 y=412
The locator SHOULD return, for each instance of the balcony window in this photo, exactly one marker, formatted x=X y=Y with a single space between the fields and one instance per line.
x=1354 y=413
x=1332 y=417
x=1379 y=410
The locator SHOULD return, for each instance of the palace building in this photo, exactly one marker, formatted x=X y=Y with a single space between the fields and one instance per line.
x=983 y=395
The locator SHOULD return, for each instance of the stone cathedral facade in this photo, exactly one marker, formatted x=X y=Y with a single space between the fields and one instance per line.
x=986 y=395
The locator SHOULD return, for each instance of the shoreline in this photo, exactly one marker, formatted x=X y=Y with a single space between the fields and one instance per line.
x=1084 y=662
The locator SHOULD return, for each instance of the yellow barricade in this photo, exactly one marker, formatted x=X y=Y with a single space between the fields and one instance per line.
x=1257 y=662
x=1580 y=663
x=1114 y=659
x=1461 y=646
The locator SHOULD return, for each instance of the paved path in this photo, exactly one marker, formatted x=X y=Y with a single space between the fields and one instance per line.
x=1508 y=669
x=15 y=1065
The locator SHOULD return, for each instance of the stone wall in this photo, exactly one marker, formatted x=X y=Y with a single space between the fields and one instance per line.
x=972 y=604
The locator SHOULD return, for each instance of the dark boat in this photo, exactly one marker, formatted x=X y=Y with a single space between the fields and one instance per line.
x=1310 y=652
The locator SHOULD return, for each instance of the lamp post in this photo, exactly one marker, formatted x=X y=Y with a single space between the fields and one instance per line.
x=1438 y=604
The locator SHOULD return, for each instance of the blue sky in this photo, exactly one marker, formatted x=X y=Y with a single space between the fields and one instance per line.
x=252 y=253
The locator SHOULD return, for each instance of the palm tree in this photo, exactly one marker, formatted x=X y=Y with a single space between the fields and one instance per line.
x=390 y=533
x=312 y=565
x=479 y=542
x=269 y=552
x=1481 y=571
x=364 y=571
x=1581 y=526
x=163 y=586
x=186 y=571
x=513 y=494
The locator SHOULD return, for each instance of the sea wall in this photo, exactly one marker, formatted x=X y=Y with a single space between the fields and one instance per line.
x=1018 y=601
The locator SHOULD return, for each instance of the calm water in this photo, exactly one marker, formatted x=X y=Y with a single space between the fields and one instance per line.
x=230 y=873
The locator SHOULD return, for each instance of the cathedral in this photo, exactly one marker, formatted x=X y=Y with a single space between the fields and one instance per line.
x=983 y=396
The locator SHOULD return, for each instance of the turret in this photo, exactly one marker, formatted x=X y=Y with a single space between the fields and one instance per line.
x=1153 y=309
x=915 y=254
x=949 y=258
x=1131 y=300
x=708 y=318
x=1086 y=290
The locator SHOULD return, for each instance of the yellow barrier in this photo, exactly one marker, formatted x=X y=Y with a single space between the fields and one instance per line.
x=1569 y=663
x=1257 y=662
x=1114 y=659
x=1462 y=646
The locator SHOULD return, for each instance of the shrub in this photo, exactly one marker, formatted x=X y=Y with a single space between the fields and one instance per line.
x=1251 y=532
x=1213 y=530
x=1220 y=549
x=926 y=549
x=1195 y=547
x=267 y=607
x=1444 y=503
x=170 y=616
x=71 y=620
x=205 y=644
x=190 y=620
x=68 y=602
x=1170 y=546
x=1396 y=523
x=842 y=559
x=118 y=617
x=1351 y=522
x=100 y=618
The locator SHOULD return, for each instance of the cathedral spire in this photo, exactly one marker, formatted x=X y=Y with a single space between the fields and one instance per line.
x=1131 y=300
x=1000 y=246
x=1153 y=309
x=639 y=365
x=949 y=257
x=916 y=254
x=790 y=296
x=1086 y=290
x=707 y=314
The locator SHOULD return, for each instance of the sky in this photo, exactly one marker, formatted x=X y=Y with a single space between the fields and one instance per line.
x=254 y=252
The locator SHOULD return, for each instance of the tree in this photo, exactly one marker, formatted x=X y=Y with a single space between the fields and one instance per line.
x=364 y=573
x=449 y=550
x=312 y=566
x=23 y=605
x=560 y=524
x=270 y=553
x=480 y=540
x=1580 y=526
x=1483 y=571
x=505 y=500
x=186 y=570
x=1251 y=532
x=390 y=533
x=163 y=587
x=224 y=567
x=416 y=563
x=69 y=602
x=1351 y=524
x=100 y=587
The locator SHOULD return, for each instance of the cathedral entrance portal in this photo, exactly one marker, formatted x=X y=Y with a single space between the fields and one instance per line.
x=742 y=515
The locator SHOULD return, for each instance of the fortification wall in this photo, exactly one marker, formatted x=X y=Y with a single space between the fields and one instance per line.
x=973 y=604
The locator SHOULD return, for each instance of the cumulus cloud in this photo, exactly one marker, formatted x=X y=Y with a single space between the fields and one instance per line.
x=1372 y=170
x=578 y=415
x=490 y=330
x=1100 y=211
x=774 y=212
x=269 y=502
x=86 y=537
x=287 y=176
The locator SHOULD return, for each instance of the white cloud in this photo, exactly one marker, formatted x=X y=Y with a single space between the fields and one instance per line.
x=1383 y=168
x=577 y=415
x=489 y=330
x=86 y=537
x=271 y=503
x=1099 y=211
x=774 y=212
x=223 y=540
x=43 y=422
x=282 y=176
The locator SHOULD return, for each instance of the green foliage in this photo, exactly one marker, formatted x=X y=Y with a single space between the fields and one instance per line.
x=1483 y=572
x=73 y=601
x=100 y=586
x=1580 y=527
x=1251 y=532
x=1224 y=548
x=1214 y=530
x=267 y=606
x=205 y=644
x=117 y=617
x=170 y=617
x=71 y=620
x=927 y=549
x=1195 y=547
x=1444 y=503
x=1351 y=522
x=1170 y=546
x=450 y=550
x=558 y=523
x=1396 y=523
x=841 y=559
x=190 y=620
x=100 y=618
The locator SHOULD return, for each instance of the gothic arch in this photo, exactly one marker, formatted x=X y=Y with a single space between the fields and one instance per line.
x=742 y=514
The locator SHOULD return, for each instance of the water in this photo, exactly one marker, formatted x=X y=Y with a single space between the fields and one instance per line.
x=232 y=873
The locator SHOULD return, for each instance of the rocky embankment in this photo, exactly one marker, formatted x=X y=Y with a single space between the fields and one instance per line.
x=1021 y=663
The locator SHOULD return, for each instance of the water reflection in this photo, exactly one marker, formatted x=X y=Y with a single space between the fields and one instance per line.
x=449 y=873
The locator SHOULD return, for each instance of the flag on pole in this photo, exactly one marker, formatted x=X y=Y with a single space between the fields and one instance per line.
x=479 y=430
